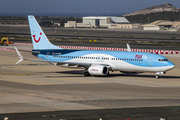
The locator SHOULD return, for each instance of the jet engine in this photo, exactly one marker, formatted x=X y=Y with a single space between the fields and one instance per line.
x=98 y=70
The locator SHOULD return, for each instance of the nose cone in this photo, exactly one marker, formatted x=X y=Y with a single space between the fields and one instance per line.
x=170 y=65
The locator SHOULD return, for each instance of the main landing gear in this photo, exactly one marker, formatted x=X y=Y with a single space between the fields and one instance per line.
x=86 y=74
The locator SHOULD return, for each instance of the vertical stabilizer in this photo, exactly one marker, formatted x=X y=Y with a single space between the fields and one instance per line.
x=39 y=39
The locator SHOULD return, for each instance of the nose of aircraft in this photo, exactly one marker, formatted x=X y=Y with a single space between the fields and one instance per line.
x=170 y=65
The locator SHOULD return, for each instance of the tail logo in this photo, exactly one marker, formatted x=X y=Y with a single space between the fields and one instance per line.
x=34 y=36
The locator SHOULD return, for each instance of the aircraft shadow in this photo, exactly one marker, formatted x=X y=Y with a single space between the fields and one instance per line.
x=79 y=73
x=142 y=76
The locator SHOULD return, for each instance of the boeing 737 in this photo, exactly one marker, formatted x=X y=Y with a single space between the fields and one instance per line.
x=94 y=62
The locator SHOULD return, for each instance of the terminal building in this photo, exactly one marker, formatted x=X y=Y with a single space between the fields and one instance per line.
x=108 y=22
x=122 y=23
x=104 y=21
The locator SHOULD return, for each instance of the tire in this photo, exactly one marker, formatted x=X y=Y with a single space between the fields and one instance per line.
x=107 y=74
x=86 y=74
x=157 y=77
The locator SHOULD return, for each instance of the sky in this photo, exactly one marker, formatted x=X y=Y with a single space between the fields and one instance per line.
x=73 y=7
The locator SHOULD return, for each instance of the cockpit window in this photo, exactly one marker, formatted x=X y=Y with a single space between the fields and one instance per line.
x=163 y=60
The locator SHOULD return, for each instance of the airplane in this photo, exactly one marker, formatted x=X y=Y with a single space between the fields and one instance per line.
x=94 y=62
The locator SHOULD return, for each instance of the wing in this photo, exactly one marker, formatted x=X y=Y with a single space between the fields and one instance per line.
x=65 y=64
x=70 y=64
x=61 y=63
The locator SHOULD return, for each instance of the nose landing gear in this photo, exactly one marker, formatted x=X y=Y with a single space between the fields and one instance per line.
x=157 y=76
x=159 y=73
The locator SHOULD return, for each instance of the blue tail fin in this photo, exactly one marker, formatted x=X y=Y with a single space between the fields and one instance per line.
x=39 y=39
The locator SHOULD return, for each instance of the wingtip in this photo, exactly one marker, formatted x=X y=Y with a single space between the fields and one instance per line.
x=19 y=55
x=128 y=47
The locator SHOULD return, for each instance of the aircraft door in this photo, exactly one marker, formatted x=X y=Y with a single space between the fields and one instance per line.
x=165 y=63
x=150 y=61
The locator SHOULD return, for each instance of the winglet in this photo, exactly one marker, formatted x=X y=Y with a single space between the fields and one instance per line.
x=20 y=56
x=128 y=47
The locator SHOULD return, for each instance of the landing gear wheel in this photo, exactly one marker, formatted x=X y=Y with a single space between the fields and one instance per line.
x=157 y=77
x=107 y=74
x=86 y=74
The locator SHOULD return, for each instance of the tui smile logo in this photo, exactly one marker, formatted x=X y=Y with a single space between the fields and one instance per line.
x=34 y=36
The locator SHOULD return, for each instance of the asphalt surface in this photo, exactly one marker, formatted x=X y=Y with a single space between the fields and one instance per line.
x=102 y=37
x=105 y=34
x=93 y=31
x=153 y=113
x=40 y=91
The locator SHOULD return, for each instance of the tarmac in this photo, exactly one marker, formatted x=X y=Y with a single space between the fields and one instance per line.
x=41 y=87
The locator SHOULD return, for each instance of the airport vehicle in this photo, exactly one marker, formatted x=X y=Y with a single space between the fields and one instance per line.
x=94 y=62
x=5 y=41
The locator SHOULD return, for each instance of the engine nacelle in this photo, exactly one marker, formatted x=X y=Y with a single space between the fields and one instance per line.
x=98 y=70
